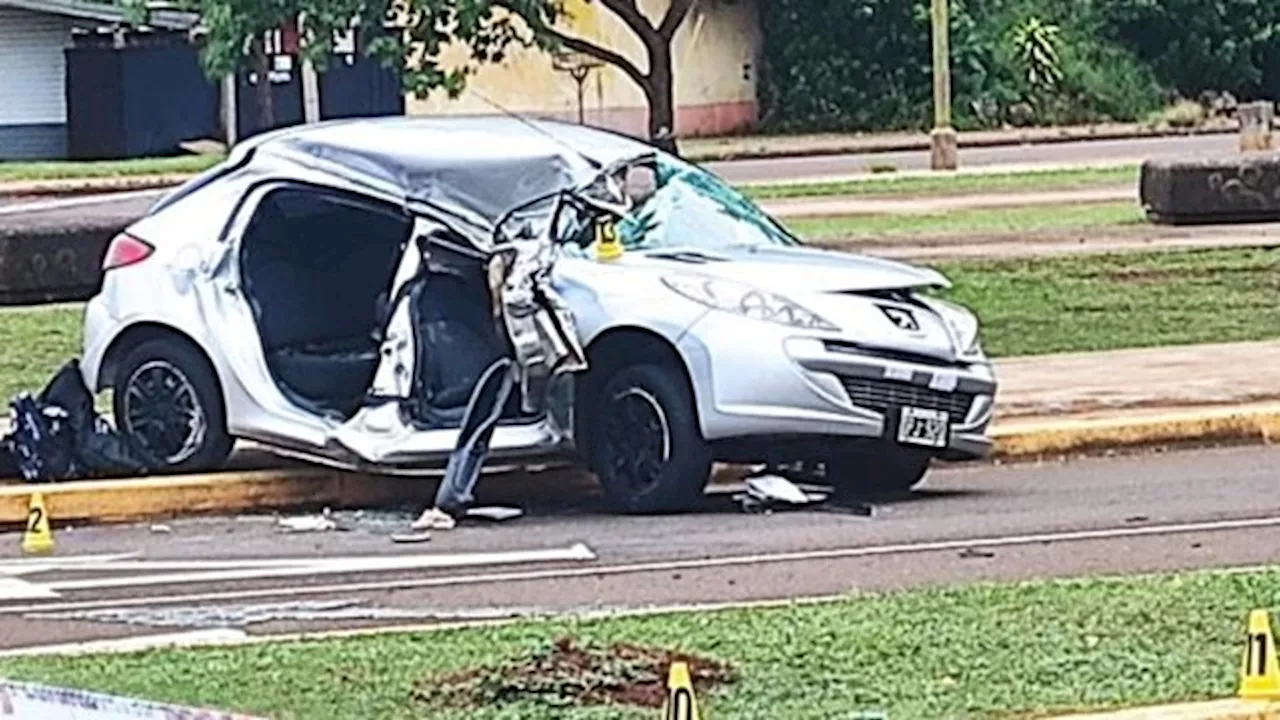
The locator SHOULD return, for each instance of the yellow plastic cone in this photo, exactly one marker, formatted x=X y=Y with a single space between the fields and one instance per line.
x=681 y=704
x=37 y=538
x=1259 y=673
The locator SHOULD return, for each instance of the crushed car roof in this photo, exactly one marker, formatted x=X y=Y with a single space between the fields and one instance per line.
x=478 y=167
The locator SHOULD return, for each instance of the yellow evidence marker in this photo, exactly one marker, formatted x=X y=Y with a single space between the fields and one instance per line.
x=37 y=538
x=608 y=246
x=681 y=704
x=1259 y=674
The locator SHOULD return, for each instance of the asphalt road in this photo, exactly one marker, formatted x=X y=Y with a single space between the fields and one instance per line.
x=25 y=215
x=1142 y=513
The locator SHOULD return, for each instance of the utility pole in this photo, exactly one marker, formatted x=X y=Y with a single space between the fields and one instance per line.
x=943 y=143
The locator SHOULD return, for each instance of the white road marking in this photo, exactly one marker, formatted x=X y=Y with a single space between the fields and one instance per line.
x=64 y=203
x=231 y=571
x=28 y=566
x=659 y=566
x=12 y=588
x=192 y=638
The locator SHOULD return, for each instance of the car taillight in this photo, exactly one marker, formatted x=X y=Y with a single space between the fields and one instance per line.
x=125 y=250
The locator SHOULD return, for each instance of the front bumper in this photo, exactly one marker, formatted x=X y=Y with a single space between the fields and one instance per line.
x=755 y=380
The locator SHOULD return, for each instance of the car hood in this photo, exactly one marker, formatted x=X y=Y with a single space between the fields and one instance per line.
x=786 y=269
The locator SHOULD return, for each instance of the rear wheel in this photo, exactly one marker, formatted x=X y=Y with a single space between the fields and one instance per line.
x=646 y=444
x=168 y=404
x=876 y=469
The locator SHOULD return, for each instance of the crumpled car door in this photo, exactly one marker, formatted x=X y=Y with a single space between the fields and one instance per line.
x=539 y=324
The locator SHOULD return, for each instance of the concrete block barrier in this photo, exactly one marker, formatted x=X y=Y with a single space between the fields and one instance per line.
x=53 y=264
x=1244 y=188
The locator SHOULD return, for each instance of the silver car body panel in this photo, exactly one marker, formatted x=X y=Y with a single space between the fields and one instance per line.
x=751 y=378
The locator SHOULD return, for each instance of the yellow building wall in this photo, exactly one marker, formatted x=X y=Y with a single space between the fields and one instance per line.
x=715 y=63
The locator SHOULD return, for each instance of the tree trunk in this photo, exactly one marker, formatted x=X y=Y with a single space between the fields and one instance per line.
x=660 y=93
x=266 y=99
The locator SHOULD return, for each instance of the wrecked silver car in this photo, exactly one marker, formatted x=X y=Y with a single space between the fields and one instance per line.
x=390 y=294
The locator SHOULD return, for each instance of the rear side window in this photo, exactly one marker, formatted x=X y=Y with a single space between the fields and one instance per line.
x=199 y=181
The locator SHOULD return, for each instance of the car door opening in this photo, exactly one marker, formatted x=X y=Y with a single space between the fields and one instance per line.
x=316 y=266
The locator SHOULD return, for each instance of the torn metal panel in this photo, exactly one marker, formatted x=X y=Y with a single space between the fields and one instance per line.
x=455 y=493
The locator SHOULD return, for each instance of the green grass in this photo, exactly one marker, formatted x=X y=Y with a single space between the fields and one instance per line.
x=943 y=184
x=990 y=652
x=960 y=222
x=1085 y=303
x=34 y=343
x=1028 y=307
x=75 y=170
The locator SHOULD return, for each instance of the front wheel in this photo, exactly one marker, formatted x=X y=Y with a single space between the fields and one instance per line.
x=646 y=444
x=876 y=469
x=168 y=404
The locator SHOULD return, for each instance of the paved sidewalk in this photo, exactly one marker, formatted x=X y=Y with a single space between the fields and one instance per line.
x=838 y=206
x=1089 y=383
x=766 y=146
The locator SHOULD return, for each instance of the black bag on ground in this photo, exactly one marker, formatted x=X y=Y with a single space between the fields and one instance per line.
x=59 y=436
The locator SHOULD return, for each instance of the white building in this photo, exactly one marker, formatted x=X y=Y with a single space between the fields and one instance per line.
x=33 y=37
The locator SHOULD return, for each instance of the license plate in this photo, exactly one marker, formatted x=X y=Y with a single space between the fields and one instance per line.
x=920 y=426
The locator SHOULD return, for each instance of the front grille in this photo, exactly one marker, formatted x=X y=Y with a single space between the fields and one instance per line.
x=849 y=348
x=881 y=395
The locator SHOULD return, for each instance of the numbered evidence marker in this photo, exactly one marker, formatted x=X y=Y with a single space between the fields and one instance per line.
x=681 y=704
x=1259 y=673
x=37 y=538
x=608 y=246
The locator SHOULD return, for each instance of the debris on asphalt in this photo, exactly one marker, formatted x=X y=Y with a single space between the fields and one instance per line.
x=847 y=507
x=57 y=435
x=767 y=492
x=775 y=488
x=567 y=674
x=494 y=513
x=434 y=519
x=306 y=523
x=408 y=538
x=160 y=529
x=970 y=553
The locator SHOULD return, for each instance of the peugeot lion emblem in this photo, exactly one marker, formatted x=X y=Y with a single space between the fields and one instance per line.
x=900 y=317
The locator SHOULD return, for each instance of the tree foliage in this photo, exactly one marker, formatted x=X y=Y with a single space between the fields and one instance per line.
x=1198 y=45
x=864 y=64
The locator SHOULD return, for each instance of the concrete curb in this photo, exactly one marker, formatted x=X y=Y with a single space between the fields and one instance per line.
x=138 y=499
x=70 y=187
x=1018 y=438
x=1214 y=710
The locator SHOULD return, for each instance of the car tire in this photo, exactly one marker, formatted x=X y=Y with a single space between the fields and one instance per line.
x=168 y=406
x=646 y=444
x=877 y=469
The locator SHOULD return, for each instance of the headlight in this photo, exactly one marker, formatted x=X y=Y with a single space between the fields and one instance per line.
x=745 y=300
x=963 y=325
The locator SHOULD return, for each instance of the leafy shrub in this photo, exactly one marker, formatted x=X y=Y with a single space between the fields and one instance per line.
x=865 y=64
x=1198 y=45
x=1181 y=114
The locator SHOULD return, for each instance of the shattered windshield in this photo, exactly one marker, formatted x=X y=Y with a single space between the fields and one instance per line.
x=691 y=208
